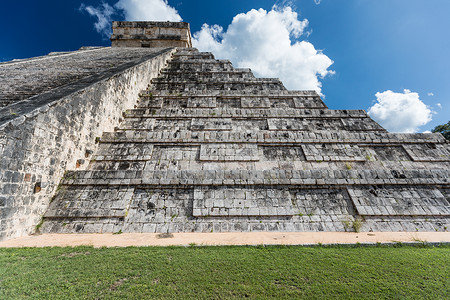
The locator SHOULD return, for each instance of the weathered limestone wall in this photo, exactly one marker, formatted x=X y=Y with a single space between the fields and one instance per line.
x=151 y=34
x=130 y=43
x=37 y=147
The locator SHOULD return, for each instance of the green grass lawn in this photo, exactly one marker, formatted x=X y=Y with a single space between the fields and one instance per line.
x=224 y=272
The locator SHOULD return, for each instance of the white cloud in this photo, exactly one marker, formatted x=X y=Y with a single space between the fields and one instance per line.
x=400 y=112
x=317 y=2
x=134 y=10
x=439 y=105
x=148 y=10
x=103 y=13
x=430 y=94
x=268 y=43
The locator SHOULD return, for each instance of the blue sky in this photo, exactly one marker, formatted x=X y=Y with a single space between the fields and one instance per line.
x=402 y=46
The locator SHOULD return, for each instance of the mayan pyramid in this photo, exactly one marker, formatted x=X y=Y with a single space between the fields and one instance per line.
x=210 y=148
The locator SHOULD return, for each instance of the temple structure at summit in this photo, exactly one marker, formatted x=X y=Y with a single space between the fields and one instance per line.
x=151 y=34
x=170 y=139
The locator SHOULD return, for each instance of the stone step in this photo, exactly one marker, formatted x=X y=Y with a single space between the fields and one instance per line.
x=317 y=178
x=246 y=208
x=173 y=210
x=158 y=222
x=251 y=113
x=428 y=152
x=311 y=152
x=214 y=81
x=289 y=162
x=202 y=60
x=165 y=72
x=256 y=124
x=273 y=137
x=225 y=202
x=202 y=77
x=201 y=65
x=180 y=101
x=236 y=85
x=242 y=202
x=186 y=156
x=304 y=95
x=228 y=152
x=219 y=87
x=180 y=72
x=122 y=152
x=190 y=50
x=76 y=202
x=301 y=157
x=400 y=201
x=189 y=55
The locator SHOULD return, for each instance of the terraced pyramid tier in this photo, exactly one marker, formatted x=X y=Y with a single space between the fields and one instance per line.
x=212 y=148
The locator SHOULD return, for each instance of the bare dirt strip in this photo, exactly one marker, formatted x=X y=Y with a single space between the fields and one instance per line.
x=222 y=239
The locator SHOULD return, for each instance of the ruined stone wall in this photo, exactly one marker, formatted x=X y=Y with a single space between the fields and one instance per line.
x=56 y=129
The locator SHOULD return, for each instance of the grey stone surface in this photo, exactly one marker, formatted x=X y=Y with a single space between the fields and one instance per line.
x=228 y=152
x=428 y=152
x=103 y=202
x=400 y=201
x=212 y=148
x=22 y=79
x=151 y=34
x=242 y=202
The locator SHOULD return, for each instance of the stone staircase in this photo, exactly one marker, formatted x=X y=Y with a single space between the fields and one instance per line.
x=211 y=148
